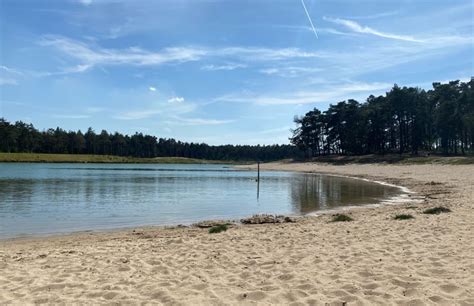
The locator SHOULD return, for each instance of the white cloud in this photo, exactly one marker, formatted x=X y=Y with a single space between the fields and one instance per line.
x=329 y=94
x=376 y=57
x=162 y=108
x=265 y=54
x=91 y=55
x=176 y=100
x=356 y=27
x=376 y=15
x=300 y=28
x=368 y=59
x=9 y=76
x=6 y=69
x=22 y=73
x=223 y=67
x=289 y=72
x=75 y=69
x=151 y=88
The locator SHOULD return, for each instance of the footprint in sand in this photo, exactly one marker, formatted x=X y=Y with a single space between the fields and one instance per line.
x=110 y=295
x=200 y=286
x=124 y=268
x=437 y=299
x=254 y=296
x=449 y=288
x=285 y=277
x=305 y=287
x=370 y=286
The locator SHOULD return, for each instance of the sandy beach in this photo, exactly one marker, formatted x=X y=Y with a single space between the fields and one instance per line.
x=372 y=260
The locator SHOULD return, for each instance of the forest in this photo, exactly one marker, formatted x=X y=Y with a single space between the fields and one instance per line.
x=404 y=120
x=21 y=137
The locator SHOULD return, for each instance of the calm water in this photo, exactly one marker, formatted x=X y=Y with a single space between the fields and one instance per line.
x=57 y=198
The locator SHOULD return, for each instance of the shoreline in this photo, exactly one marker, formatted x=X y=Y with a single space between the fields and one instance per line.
x=372 y=260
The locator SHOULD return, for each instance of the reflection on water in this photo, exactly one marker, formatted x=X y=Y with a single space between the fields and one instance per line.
x=49 y=198
x=310 y=193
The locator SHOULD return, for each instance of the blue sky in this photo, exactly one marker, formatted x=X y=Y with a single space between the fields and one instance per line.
x=218 y=71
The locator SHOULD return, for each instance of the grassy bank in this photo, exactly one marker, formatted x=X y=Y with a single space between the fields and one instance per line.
x=85 y=158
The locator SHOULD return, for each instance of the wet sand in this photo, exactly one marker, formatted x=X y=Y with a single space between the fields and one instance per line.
x=372 y=260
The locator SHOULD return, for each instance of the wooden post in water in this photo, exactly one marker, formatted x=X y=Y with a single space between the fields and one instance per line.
x=258 y=171
x=258 y=180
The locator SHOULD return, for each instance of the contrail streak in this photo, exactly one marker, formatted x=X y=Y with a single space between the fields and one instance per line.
x=309 y=18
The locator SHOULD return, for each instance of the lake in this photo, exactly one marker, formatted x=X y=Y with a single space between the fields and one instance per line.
x=40 y=199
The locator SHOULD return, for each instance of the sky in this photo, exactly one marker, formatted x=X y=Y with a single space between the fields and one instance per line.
x=219 y=71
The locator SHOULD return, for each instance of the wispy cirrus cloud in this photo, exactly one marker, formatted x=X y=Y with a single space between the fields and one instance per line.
x=5 y=69
x=328 y=94
x=12 y=76
x=266 y=54
x=358 y=28
x=377 y=15
x=230 y=66
x=90 y=55
x=161 y=107
x=172 y=111
x=74 y=69
x=9 y=76
x=289 y=72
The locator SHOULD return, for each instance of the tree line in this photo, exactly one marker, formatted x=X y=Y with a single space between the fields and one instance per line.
x=404 y=120
x=20 y=137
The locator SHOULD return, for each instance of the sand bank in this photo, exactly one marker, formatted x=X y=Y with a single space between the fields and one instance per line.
x=372 y=260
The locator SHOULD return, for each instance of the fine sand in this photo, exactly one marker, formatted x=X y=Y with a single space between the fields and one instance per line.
x=372 y=260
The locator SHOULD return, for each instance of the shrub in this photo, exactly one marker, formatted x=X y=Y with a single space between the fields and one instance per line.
x=403 y=217
x=437 y=210
x=341 y=218
x=218 y=228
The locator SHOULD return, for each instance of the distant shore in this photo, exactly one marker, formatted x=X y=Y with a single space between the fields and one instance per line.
x=330 y=159
x=371 y=260
x=99 y=159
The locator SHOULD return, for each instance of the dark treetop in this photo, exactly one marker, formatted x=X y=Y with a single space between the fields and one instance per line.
x=405 y=120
